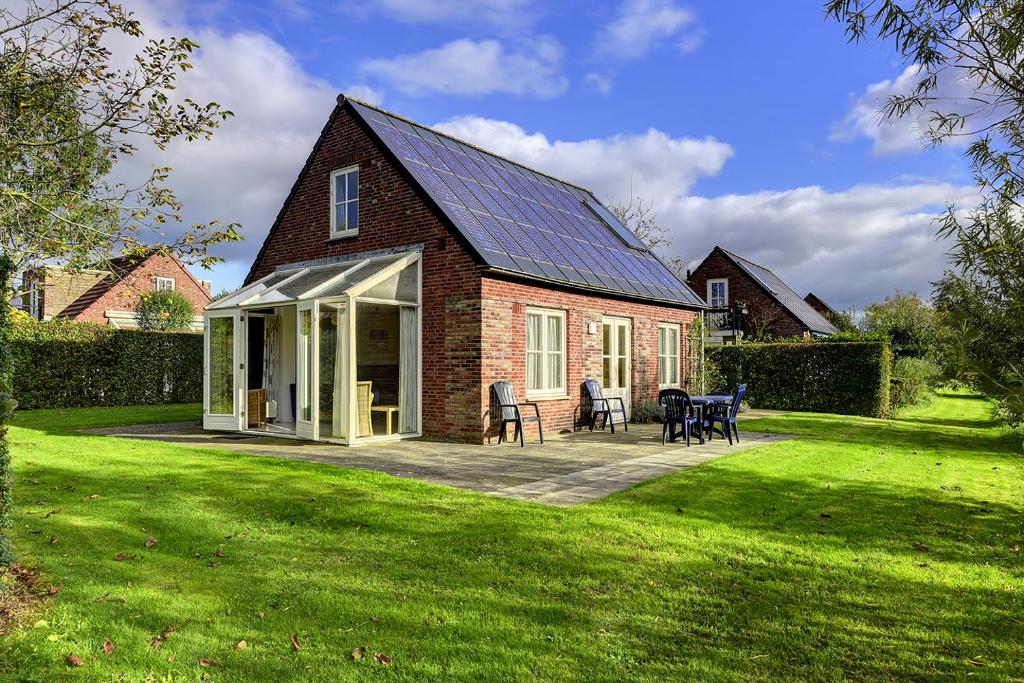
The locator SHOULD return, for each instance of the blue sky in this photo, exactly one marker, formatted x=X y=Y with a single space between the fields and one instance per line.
x=752 y=125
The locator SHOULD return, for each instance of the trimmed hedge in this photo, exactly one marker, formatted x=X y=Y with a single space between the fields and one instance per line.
x=849 y=378
x=80 y=365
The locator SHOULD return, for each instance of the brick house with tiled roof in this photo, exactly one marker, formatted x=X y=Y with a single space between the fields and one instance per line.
x=110 y=295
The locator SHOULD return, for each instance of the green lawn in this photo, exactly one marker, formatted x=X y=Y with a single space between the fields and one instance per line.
x=866 y=549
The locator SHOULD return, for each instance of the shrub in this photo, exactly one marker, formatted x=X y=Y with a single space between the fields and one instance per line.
x=164 y=310
x=646 y=412
x=63 y=365
x=911 y=378
x=850 y=378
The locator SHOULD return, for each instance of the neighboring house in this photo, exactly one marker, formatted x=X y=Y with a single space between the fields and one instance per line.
x=744 y=296
x=111 y=295
x=818 y=304
x=408 y=271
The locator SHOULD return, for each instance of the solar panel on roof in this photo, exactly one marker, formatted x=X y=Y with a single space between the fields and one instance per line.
x=524 y=221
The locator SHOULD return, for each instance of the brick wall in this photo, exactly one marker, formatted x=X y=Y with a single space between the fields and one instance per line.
x=58 y=289
x=392 y=213
x=764 y=314
x=124 y=295
x=503 y=335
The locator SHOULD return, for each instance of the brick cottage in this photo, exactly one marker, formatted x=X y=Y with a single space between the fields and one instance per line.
x=408 y=271
x=111 y=295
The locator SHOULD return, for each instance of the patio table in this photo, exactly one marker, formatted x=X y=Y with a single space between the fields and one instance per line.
x=710 y=400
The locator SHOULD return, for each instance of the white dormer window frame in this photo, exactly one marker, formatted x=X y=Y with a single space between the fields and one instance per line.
x=718 y=301
x=164 y=283
x=345 y=201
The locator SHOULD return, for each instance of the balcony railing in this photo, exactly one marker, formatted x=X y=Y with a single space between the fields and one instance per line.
x=726 y=319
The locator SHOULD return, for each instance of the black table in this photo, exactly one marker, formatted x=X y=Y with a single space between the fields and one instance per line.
x=710 y=400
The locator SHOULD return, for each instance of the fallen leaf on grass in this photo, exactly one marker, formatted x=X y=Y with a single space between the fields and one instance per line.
x=358 y=653
x=54 y=540
x=170 y=658
x=921 y=547
x=74 y=660
x=241 y=645
x=150 y=542
x=208 y=662
x=382 y=659
x=294 y=639
x=159 y=640
x=52 y=590
x=260 y=613
x=92 y=497
x=825 y=515
x=108 y=647
x=218 y=552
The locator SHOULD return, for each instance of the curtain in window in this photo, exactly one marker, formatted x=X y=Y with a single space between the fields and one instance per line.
x=408 y=362
x=271 y=346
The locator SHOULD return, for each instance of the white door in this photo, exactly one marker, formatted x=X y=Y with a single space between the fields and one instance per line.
x=223 y=371
x=307 y=371
x=617 y=358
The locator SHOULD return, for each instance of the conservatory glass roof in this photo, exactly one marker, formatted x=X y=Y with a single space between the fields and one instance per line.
x=302 y=283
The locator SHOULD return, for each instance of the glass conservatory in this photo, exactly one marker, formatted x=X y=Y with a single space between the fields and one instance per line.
x=327 y=352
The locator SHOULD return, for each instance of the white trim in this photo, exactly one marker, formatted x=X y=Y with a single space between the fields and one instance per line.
x=160 y=282
x=129 y=320
x=348 y=232
x=662 y=353
x=614 y=354
x=715 y=281
x=549 y=388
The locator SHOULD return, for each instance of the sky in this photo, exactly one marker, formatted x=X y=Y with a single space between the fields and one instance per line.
x=749 y=125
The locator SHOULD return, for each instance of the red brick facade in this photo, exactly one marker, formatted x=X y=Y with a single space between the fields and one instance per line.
x=765 y=315
x=473 y=325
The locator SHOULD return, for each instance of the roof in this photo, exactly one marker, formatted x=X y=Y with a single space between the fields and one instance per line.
x=783 y=293
x=521 y=221
x=818 y=304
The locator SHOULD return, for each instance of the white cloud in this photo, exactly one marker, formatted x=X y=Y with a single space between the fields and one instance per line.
x=599 y=82
x=866 y=118
x=503 y=14
x=642 y=24
x=662 y=166
x=850 y=246
x=469 y=67
x=365 y=93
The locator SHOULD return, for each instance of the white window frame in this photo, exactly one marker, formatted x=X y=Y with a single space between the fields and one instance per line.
x=160 y=284
x=724 y=281
x=344 y=232
x=549 y=388
x=664 y=358
x=33 y=301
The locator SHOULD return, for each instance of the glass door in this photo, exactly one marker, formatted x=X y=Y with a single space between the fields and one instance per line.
x=616 y=354
x=223 y=375
x=307 y=413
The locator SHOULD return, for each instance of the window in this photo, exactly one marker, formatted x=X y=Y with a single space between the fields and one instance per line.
x=718 y=293
x=668 y=355
x=33 y=301
x=545 y=352
x=163 y=283
x=345 y=201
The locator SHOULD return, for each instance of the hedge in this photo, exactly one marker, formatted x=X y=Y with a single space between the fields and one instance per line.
x=850 y=378
x=79 y=365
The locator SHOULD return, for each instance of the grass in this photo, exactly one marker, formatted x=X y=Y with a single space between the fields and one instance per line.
x=866 y=549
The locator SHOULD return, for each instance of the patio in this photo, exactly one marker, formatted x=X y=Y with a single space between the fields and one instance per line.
x=567 y=469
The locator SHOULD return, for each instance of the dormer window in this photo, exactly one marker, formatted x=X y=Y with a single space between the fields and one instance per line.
x=345 y=202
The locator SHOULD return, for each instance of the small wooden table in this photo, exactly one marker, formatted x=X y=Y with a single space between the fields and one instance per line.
x=389 y=411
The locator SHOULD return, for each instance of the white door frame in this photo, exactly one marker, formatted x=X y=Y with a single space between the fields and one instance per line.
x=307 y=429
x=610 y=384
x=233 y=421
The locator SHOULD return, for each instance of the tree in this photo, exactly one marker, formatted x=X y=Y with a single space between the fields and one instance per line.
x=70 y=110
x=908 y=322
x=970 y=88
x=164 y=310
x=638 y=215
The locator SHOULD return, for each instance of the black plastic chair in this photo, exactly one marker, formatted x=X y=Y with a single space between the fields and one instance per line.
x=726 y=416
x=599 y=405
x=679 y=411
x=508 y=408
